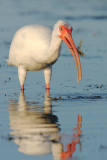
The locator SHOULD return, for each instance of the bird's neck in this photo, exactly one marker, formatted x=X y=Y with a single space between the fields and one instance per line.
x=54 y=49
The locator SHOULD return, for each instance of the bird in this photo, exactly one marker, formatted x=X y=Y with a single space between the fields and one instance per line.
x=36 y=47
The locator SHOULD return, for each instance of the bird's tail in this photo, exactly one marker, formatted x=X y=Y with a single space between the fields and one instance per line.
x=9 y=62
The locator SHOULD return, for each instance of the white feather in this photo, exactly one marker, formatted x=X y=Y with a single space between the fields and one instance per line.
x=35 y=47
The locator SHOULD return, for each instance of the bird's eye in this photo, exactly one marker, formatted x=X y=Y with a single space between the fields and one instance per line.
x=61 y=29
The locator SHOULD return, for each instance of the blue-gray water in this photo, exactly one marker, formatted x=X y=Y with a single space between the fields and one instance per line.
x=34 y=126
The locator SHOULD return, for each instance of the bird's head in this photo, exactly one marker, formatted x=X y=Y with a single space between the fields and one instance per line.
x=64 y=31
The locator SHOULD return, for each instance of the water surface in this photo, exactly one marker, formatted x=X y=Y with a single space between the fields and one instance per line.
x=70 y=121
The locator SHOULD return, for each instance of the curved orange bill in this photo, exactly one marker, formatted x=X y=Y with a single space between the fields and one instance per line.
x=71 y=45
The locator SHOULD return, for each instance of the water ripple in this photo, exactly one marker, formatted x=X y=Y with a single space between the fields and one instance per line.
x=87 y=17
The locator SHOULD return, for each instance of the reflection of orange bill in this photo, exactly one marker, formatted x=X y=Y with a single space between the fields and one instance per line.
x=79 y=119
x=71 y=147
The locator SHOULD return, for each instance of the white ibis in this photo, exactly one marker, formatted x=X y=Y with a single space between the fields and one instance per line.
x=36 y=47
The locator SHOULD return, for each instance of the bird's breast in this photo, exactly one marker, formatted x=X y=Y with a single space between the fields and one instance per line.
x=53 y=56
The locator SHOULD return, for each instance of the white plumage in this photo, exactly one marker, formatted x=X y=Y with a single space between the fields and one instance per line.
x=36 y=47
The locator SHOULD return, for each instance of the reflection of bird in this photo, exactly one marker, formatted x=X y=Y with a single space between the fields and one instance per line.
x=34 y=128
x=71 y=147
x=37 y=47
x=36 y=131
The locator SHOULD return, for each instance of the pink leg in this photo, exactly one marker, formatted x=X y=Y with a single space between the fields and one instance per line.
x=22 y=87
x=47 y=86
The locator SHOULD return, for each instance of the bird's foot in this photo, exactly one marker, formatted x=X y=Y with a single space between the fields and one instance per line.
x=47 y=87
x=22 y=88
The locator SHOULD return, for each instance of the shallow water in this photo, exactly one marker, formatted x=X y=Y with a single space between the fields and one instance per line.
x=41 y=125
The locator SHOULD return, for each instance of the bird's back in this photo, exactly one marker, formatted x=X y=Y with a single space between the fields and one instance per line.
x=30 y=44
